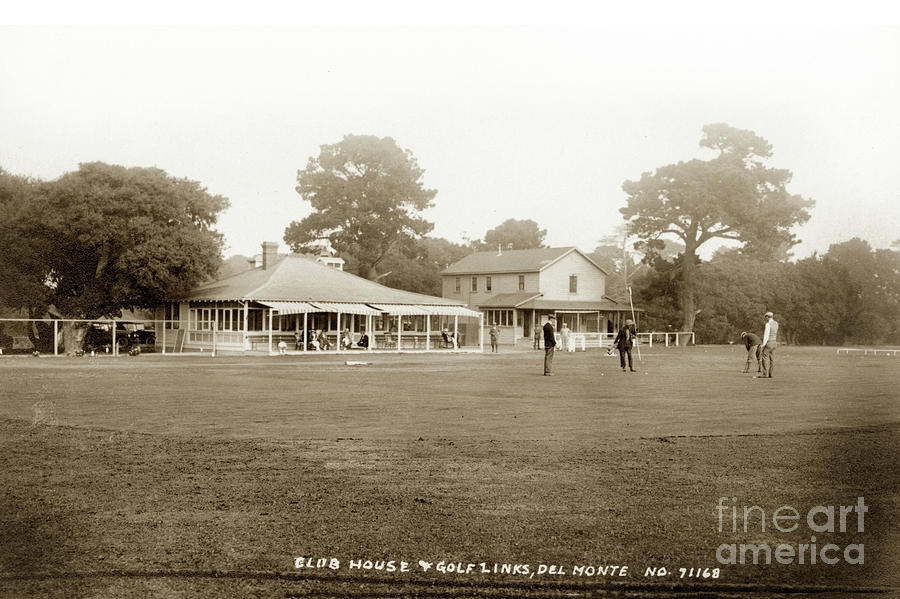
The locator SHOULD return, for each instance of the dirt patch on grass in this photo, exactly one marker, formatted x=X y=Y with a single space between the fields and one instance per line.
x=95 y=501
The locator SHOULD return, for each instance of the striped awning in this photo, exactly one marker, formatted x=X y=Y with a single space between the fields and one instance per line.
x=416 y=309
x=285 y=308
x=453 y=311
x=402 y=309
x=347 y=308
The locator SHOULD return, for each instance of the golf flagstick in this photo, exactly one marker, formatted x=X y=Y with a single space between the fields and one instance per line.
x=636 y=342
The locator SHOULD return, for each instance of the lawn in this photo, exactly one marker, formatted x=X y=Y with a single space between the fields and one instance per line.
x=189 y=475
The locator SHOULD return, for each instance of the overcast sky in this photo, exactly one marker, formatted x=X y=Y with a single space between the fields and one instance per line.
x=510 y=118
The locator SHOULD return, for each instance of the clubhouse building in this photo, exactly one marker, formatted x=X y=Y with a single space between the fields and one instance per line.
x=287 y=297
x=519 y=289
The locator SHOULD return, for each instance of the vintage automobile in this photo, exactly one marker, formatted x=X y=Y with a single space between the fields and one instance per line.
x=98 y=336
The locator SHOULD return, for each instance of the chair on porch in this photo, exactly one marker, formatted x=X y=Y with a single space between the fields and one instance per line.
x=389 y=340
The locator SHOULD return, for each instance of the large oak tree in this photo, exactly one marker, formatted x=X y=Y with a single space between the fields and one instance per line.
x=114 y=237
x=732 y=196
x=366 y=194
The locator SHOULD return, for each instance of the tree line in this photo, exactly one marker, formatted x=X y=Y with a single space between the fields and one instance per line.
x=105 y=237
x=848 y=295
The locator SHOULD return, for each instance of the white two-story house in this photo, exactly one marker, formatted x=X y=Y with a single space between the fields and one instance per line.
x=519 y=289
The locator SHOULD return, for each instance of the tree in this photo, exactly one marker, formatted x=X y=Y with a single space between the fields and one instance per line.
x=366 y=194
x=733 y=196
x=21 y=258
x=514 y=234
x=873 y=277
x=116 y=237
x=422 y=272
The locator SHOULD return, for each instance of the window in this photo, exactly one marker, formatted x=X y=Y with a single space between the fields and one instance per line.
x=503 y=318
x=487 y=283
x=457 y=287
x=474 y=283
x=573 y=284
x=521 y=282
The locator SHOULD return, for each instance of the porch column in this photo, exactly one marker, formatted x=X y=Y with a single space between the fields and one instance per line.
x=515 y=323
x=370 y=320
x=305 y=330
x=456 y=332
x=427 y=332
x=215 y=331
x=114 y=344
x=270 y=330
x=55 y=337
x=164 y=334
x=339 y=331
x=246 y=325
x=533 y=325
x=399 y=331
x=481 y=332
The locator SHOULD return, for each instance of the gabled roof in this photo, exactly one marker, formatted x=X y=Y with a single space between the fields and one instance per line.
x=604 y=305
x=511 y=261
x=536 y=301
x=296 y=278
x=508 y=300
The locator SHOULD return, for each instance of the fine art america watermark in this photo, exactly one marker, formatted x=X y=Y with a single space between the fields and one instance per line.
x=819 y=520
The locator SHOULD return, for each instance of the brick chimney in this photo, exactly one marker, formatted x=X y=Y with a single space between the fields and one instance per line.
x=269 y=253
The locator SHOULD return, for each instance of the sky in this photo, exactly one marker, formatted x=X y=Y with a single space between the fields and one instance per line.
x=513 y=111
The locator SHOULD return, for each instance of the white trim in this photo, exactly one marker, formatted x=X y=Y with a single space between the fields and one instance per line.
x=286 y=308
x=345 y=308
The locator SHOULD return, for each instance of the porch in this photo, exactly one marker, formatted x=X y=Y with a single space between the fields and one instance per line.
x=262 y=325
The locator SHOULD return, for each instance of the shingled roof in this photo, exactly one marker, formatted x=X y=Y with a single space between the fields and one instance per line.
x=512 y=261
x=296 y=278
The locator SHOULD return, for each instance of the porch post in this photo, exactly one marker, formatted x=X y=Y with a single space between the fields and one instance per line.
x=305 y=330
x=55 y=337
x=533 y=326
x=164 y=333
x=427 y=332
x=215 y=330
x=481 y=332
x=399 y=331
x=369 y=321
x=456 y=332
x=114 y=344
x=270 y=330
x=246 y=344
x=339 y=331
x=515 y=322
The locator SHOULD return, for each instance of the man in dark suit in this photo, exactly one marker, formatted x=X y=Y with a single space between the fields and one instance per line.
x=623 y=342
x=753 y=344
x=549 y=344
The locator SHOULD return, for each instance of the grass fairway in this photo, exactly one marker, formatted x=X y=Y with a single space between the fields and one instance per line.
x=193 y=476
